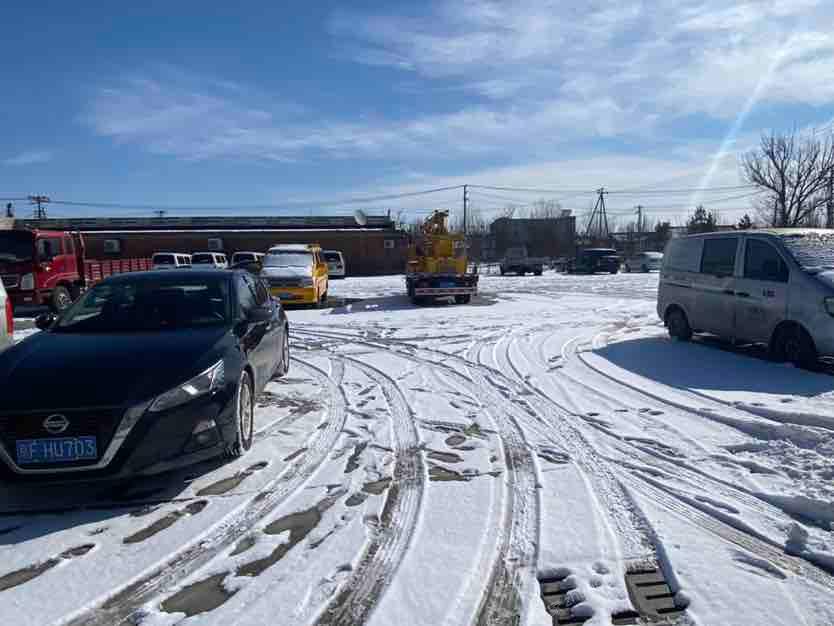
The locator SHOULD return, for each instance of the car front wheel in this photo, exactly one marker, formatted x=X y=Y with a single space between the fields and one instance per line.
x=244 y=418
x=284 y=356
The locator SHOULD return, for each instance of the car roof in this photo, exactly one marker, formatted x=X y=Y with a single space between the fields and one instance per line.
x=295 y=247
x=170 y=274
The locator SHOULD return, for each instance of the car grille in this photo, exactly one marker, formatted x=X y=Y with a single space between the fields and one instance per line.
x=99 y=422
x=285 y=282
x=10 y=280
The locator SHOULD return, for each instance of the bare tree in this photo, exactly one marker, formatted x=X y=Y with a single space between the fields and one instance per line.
x=545 y=209
x=794 y=172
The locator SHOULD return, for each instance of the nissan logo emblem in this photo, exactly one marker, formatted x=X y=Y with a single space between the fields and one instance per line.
x=56 y=424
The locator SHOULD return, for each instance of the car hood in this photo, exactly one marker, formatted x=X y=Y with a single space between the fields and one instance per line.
x=286 y=272
x=62 y=370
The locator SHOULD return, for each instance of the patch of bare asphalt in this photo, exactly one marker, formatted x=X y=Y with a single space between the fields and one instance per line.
x=444 y=457
x=192 y=508
x=298 y=405
x=353 y=460
x=299 y=526
x=24 y=575
x=200 y=597
x=225 y=485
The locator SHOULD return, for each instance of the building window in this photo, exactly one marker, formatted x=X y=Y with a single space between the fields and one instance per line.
x=112 y=246
x=390 y=244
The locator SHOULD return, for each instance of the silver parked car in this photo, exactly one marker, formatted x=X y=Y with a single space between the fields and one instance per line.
x=644 y=262
x=774 y=287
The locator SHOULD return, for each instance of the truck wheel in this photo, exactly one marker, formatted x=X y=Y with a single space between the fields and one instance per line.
x=467 y=298
x=61 y=299
x=502 y=271
x=627 y=268
x=537 y=272
x=460 y=299
x=645 y=269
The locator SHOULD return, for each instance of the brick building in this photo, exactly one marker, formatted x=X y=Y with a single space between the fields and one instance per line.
x=374 y=248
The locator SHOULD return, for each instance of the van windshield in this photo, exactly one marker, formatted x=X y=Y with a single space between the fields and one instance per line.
x=814 y=252
x=163 y=259
x=197 y=259
x=288 y=259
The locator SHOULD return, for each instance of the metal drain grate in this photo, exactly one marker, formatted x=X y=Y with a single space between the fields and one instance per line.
x=554 y=593
x=650 y=593
x=648 y=589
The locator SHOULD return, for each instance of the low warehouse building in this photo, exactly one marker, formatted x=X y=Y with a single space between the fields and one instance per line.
x=376 y=247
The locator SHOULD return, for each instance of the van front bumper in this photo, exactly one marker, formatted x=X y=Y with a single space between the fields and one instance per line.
x=294 y=295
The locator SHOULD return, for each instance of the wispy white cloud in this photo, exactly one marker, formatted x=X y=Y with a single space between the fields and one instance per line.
x=29 y=157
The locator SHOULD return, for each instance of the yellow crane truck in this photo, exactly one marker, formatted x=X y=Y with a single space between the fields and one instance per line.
x=437 y=264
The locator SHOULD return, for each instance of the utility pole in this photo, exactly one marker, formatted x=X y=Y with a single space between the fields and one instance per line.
x=40 y=210
x=598 y=222
x=639 y=208
x=465 y=207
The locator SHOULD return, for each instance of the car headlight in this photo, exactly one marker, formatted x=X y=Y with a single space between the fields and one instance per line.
x=27 y=282
x=306 y=282
x=210 y=380
x=829 y=306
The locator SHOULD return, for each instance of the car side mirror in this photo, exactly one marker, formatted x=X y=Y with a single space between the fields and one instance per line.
x=259 y=314
x=44 y=321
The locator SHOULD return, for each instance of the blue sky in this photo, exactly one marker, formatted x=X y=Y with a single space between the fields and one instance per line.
x=241 y=104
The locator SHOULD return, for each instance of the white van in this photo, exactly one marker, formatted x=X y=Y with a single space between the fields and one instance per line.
x=171 y=261
x=247 y=257
x=6 y=318
x=774 y=287
x=210 y=259
x=335 y=263
x=644 y=262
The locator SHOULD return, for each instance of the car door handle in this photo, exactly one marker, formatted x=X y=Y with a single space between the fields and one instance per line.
x=742 y=294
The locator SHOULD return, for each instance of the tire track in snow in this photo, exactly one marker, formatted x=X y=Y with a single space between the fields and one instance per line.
x=120 y=605
x=501 y=599
x=631 y=530
x=732 y=530
x=385 y=550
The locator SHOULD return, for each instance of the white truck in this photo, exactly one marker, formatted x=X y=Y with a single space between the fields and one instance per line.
x=516 y=261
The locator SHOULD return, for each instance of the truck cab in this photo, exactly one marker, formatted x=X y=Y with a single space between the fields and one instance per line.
x=40 y=267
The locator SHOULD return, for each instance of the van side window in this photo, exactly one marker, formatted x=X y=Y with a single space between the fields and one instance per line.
x=762 y=262
x=684 y=255
x=719 y=256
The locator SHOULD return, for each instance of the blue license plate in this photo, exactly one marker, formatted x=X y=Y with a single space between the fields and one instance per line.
x=57 y=450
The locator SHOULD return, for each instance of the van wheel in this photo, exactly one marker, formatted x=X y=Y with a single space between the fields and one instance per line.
x=628 y=268
x=794 y=345
x=645 y=269
x=678 y=325
x=244 y=418
x=61 y=299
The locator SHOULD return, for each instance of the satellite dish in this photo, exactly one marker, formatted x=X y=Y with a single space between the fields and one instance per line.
x=360 y=217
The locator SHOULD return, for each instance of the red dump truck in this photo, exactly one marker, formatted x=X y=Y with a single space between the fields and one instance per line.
x=49 y=267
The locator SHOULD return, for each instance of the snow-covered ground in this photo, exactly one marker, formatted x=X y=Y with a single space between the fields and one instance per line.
x=429 y=465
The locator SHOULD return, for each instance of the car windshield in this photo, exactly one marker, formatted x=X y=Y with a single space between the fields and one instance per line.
x=16 y=247
x=288 y=259
x=813 y=251
x=197 y=259
x=142 y=304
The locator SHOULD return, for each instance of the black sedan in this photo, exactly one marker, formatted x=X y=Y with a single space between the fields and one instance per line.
x=146 y=372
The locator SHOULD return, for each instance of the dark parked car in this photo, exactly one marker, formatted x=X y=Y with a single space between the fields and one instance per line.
x=146 y=372
x=594 y=260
